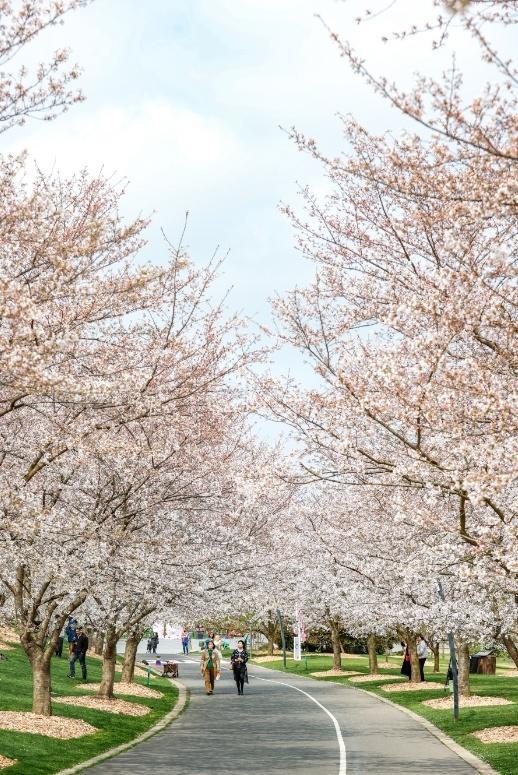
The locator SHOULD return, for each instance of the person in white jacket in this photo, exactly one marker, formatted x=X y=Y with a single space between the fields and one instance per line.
x=422 y=653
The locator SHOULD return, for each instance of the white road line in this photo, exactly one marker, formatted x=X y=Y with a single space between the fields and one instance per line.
x=341 y=745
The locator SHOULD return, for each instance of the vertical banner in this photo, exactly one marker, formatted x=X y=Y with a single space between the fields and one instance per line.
x=297 y=654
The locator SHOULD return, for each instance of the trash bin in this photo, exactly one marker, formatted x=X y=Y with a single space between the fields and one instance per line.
x=483 y=662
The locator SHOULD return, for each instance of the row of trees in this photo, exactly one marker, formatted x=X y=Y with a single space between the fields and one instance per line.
x=407 y=443
x=132 y=484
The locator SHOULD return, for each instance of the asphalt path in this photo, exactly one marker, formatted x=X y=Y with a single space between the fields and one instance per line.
x=286 y=725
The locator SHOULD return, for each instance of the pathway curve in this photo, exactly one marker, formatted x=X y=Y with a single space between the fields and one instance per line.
x=277 y=729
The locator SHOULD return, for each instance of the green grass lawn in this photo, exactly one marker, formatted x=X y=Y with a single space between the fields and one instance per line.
x=40 y=755
x=502 y=757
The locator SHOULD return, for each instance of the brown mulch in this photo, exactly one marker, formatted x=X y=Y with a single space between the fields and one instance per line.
x=413 y=687
x=333 y=672
x=5 y=762
x=374 y=677
x=50 y=726
x=7 y=634
x=268 y=658
x=497 y=734
x=466 y=702
x=5 y=647
x=120 y=707
x=133 y=690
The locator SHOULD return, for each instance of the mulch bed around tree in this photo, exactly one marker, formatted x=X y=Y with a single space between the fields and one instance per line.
x=475 y=701
x=497 y=734
x=5 y=762
x=413 y=687
x=374 y=677
x=132 y=690
x=7 y=634
x=120 y=707
x=50 y=726
x=333 y=672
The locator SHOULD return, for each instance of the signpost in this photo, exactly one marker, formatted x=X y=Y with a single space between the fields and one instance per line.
x=297 y=653
x=453 y=660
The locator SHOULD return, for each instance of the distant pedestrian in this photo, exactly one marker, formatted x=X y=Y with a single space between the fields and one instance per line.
x=406 y=668
x=154 y=642
x=185 y=643
x=210 y=666
x=149 y=646
x=80 y=647
x=58 y=651
x=422 y=653
x=71 y=634
x=238 y=660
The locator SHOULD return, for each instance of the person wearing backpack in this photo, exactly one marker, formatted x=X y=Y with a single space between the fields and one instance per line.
x=71 y=634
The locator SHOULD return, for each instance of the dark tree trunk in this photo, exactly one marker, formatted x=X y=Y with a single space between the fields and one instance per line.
x=464 y=687
x=130 y=655
x=98 y=643
x=109 y=659
x=373 y=657
x=434 y=648
x=41 y=703
x=512 y=648
x=337 y=644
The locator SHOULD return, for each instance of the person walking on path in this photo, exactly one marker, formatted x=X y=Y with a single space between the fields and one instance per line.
x=210 y=666
x=80 y=648
x=185 y=643
x=154 y=642
x=238 y=660
x=422 y=653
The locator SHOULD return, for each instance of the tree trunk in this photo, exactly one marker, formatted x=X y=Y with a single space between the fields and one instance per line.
x=512 y=648
x=98 y=643
x=373 y=657
x=130 y=655
x=415 y=673
x=109 y=659
x=463 y=669
x=41 y=703
x=434 y=648
x=337 y=644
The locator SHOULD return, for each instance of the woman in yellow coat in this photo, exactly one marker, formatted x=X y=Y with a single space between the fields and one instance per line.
x=210 y=666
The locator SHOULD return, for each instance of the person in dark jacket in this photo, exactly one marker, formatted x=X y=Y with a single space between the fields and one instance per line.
x=154 y=642
x=80 y=647
x=71 y=634
x=406 y=668
x=238 y=660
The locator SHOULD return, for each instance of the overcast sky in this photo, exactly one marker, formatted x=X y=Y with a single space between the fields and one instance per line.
x=185 y=99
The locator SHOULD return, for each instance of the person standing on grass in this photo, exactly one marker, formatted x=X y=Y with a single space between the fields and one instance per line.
x=210 y=666
x=406 y=668
x=80 y=648
x=422 y=653
x=238 y=660
x=71 y=634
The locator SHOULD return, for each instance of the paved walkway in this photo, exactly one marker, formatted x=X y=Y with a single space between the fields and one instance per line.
x=277 y=729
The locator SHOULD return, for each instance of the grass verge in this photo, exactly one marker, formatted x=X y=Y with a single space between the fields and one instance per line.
x=501 y=756
x=40 y=755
